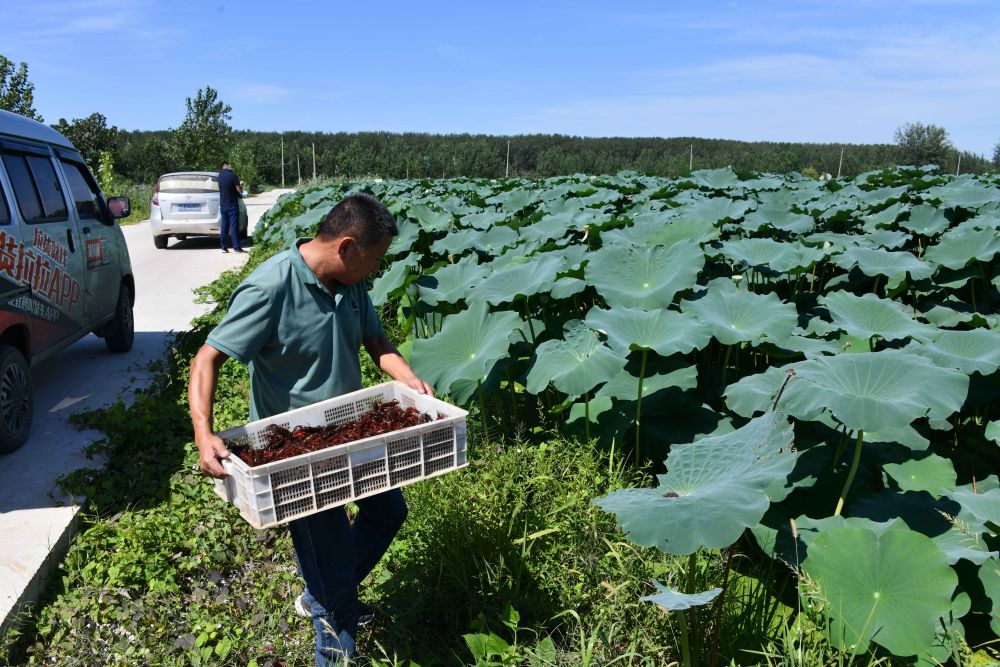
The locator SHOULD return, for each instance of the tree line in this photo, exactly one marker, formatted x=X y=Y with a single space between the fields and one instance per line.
x=205 y=137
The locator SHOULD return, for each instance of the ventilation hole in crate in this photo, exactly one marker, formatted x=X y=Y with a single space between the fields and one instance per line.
x=331 y=480
x=404 y=460
x=363 y=486
x=333 y=497
x=289 y=475
x=439 y=435
x=293 y=509
x=443 y=463
x=325 y=466
x=260 y=436
x=369 y=469
x=400 y=475
x=402 y=446
x=339 y=414
x=240 y=441
x=293 y=493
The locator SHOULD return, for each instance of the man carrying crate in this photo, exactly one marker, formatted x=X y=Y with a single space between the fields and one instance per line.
x=299 y=321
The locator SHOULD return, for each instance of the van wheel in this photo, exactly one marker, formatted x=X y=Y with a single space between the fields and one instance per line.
x=16 y=402
x=120 y=331
x=160 y=242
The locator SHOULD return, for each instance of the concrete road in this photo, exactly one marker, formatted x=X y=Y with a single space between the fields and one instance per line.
x=36 y=519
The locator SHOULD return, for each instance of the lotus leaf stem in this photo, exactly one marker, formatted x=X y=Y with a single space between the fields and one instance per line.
x=638 y=403
x=718 y=608
x=725 y=368
x=875 y=287
x=527 y=316
x=695 y=638
x=586 y=415
x=854 y=469
x=482 y=400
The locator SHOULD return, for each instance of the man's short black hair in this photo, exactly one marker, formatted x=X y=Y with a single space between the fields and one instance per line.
x=223 y=164
x=359 y=215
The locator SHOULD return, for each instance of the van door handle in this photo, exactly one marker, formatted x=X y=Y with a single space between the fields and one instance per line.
x=69 y=240
x=86 y=230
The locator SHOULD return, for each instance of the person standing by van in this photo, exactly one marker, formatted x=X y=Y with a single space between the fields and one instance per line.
x=229 y=207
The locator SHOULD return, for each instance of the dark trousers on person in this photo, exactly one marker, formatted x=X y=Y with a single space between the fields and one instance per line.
x=229 y=223
x=335 y=556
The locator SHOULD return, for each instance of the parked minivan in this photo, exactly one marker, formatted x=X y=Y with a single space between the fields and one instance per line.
x=64 y=266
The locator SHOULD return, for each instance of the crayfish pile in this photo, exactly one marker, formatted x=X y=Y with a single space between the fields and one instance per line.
x=280 y=443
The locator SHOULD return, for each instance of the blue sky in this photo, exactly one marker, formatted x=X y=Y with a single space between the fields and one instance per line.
x=848 y=71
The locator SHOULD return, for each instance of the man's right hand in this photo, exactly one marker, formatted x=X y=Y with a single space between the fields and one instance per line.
x=212 y=450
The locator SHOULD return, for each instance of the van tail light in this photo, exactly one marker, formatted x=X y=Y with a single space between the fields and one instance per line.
x=156 y=195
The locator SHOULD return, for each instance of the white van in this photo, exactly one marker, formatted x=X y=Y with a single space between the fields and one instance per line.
x=64 y=266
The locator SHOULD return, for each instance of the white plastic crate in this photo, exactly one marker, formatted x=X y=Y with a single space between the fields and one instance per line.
x=277 y=492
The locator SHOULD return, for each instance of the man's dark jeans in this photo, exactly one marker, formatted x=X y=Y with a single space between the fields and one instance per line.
x=334 y=557
x=229 y=223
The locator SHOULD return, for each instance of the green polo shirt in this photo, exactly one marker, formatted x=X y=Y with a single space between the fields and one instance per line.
x=300 y=341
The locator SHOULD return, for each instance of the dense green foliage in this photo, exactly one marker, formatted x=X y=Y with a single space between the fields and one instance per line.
x=145 y=155
x=201 y=141
x=666 y=313
x=17 y=93
x=921 y=144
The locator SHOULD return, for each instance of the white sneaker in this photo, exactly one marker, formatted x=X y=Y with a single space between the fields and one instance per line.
x=366 y=614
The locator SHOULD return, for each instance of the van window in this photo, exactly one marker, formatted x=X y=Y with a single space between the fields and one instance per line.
x=36 y=187
x=84 y=191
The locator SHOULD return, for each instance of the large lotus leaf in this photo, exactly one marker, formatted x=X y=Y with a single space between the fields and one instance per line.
x=715 y=179
x=466 y=348
x=886 y=217
x=483 y=220
x=932 y=474
x=951 y=315
x=891 y=588
x=956 y=250
x=713 y=489
x=809 y=347
x=431 y=220
x=875 y=391
x=780 y=219
x=389 y=282
x=868 y=315
x=556 y=226
x=734 y=315
x=981 y=507
x=566 y=287
x=889 y=239
x=671 y=600
x=625 y=386
x=403 y=242
x=574 y=365
x=514 y=200
x=964 y=193
x=878 y=262
x=992 y=432
x=925 y=220
x=768 y=253
x=976 y=350
x=717 y=209
x=524 y=276
x=682 y=229
x=664 y=331
x=451 y=283
x=755 y=393
x=492 y=242
x=644 y=278
x=989 y=575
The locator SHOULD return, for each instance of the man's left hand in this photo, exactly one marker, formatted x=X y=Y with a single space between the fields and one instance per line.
x=419 y=385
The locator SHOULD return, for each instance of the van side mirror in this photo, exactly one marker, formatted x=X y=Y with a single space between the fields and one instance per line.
x=120 y=207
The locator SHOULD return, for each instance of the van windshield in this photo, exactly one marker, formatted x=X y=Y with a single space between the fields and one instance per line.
x=189 y=183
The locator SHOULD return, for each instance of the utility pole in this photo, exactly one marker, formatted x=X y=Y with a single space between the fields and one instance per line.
x=691 y=158
x=506 y=171
x=282 y=161
x=959 y=165
x=298 y=167
x=841 y=163
x=314 y=160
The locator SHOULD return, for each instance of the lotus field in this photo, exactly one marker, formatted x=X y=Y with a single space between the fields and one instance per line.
x=811 y=365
